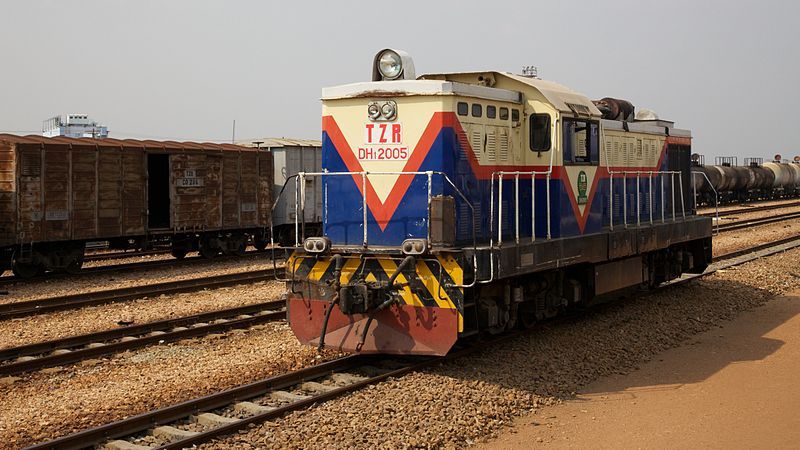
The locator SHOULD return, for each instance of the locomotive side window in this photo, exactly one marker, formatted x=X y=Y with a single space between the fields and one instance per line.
x=540 y=132
x=580 y=141
x=462 y=108
x=477 y=110
x=503 y=113
x=491 y=111
x=515 y=115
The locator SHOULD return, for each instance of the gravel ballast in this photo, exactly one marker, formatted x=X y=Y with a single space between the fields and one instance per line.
x=56 y=402
x=48 y=287
x=473 y=398
x=45 y=327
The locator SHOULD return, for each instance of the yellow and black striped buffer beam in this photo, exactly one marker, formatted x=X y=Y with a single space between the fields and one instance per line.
x=428 y=284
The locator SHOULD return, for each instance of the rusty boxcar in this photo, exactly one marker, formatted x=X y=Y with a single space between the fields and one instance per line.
x=56 y=194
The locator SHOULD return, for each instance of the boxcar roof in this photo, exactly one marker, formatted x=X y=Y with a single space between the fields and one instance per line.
x=280 y=142
x=111 y=142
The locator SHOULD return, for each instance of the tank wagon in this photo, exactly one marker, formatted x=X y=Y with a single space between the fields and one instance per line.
x=57 y=194
x=463 y=203
x=726 y=181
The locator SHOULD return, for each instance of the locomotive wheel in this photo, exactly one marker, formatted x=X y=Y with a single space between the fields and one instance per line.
x=25 y=270
x=527 y=316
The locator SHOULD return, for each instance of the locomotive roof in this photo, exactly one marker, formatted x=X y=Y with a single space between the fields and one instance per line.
x=560 y=96
x=400 y=88
x=461 y=83
x=110 y=142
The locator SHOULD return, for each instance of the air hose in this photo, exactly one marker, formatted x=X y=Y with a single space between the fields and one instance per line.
x=408 y=260
x=338 y=261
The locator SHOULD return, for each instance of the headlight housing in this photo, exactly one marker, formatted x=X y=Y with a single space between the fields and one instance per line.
x=414 y=246
x=317 y=244
x=374 y=111
x=389 y=110
x=390 y=64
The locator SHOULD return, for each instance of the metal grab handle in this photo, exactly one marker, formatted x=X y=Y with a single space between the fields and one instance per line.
x=716 y=199
x=499 y=176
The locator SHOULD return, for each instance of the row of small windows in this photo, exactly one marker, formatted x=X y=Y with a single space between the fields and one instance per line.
x=463 y=109
x=539 y=138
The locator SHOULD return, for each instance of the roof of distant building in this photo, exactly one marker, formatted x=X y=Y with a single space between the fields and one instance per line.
x=280 y=142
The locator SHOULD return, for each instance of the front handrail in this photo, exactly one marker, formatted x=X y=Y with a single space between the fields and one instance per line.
x=299 y=224
x=716 y=199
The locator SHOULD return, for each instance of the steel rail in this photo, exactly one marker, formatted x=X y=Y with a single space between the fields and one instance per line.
x=122 y=255
x=162 y=331
x=733 y=212
x=67 y=302
x=755 y=248
x=141 y=265
x=397 y=367
x=742 y=224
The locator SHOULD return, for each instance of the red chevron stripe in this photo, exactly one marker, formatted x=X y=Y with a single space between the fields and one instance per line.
x=383 y=212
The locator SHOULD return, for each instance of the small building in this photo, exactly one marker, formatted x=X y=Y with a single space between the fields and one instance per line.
x=74 y=126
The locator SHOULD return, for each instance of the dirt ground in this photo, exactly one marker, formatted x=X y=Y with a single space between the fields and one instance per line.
x=733 y=387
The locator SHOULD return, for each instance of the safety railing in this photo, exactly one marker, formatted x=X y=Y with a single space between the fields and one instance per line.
x=716 y=198
x=499 y=176
x=625 y=175
x=300 y=197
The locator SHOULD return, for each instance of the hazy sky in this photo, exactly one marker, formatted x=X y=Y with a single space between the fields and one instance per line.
x=186 y=69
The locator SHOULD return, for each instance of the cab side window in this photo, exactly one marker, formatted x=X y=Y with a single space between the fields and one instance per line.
x=540 y=132
x=581 y=142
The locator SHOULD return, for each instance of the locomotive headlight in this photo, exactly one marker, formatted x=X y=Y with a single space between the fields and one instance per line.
x=390 y=65
x=414 y=246
x=388 y=110
x=374 y=111
x=317 y=244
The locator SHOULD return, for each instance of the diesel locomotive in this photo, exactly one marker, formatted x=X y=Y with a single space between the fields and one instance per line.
x=475 y=202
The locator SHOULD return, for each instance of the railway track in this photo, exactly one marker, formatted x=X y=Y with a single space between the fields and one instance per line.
x=199 y=420
x=741 y=224
x=69 y=350
x=745 y=210
x=142 y=265
x=67 y=302
x=122 y=255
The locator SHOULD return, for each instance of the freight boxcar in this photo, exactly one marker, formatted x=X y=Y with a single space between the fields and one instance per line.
x=56 y=194
x=291 y=156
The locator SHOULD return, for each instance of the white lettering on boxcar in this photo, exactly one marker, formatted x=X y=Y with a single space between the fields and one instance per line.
x=189 y=182
x=57 y=214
